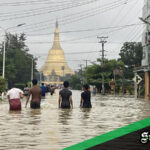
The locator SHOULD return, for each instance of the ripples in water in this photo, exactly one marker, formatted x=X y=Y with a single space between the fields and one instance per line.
x=50 y=128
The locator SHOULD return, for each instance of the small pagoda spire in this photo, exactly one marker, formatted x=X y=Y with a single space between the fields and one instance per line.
x=56 y=43
x=56 y=23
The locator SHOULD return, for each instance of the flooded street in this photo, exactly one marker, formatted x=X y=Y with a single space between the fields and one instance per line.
x=51 y=128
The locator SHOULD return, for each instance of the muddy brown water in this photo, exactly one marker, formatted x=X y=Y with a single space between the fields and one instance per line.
x=50 y=128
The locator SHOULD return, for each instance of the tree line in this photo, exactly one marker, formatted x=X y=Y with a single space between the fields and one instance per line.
x=18 y=65
x=130 y=57
x=18 y=60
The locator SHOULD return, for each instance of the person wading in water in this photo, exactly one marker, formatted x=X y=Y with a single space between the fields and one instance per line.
x=43 y=88
x=52 y=89
x=86 y=97
x=26 y=90
x=65 y=97
x=36 y=93
x=14 y=95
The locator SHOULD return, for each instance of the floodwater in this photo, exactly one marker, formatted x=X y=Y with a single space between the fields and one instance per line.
x=51 y=128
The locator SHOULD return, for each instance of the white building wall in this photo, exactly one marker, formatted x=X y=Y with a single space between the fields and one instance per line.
x=146 y=34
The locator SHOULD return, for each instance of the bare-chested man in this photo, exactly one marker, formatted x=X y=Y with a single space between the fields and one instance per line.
x=36 y=93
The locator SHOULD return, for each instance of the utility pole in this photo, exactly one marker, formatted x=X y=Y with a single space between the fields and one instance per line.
x=4 y=45
x=103 y=41
x=32 y=59
x=86 y=63
x=81 y=73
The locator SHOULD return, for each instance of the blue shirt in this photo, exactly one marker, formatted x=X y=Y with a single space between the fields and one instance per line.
x=43 y=90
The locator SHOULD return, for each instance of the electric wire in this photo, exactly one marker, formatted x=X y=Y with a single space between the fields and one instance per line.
x=85 y=37
x=79 y=18
x=70 y=17
x=47 y=12
x=31 y=3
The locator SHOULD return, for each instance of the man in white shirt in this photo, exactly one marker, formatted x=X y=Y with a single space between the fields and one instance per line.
x=14 y=95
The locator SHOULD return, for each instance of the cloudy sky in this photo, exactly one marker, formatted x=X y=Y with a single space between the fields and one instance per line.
x=80 y=22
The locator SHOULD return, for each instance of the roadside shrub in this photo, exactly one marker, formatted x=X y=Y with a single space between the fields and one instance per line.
x=2 y=84
x=20 y=85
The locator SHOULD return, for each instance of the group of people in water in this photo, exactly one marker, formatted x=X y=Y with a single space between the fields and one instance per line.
x=36 y=93
x=45 y=89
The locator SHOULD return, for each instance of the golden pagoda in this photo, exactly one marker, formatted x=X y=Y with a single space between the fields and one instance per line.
x=55 y=67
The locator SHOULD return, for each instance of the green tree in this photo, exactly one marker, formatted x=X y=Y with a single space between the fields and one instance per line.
x=93 y=73
x=18 y=60
x=131 y=55
x=75 y=82
x=2 y=84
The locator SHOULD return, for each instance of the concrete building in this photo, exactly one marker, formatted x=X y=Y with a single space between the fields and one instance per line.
x=146 y=34
x=146 y=47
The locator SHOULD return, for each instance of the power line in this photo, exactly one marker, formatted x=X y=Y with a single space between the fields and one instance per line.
x=127 y=12
x=119 y=12
x=136 y=36
x=41 y=9
x=26 y=11
x=75 y=53
x=32 y=11
x=49 y=11
x=131 y=33
x=109 y=32
x=134 y=33
x=77 y=39
x=84 y=42
x=91 y=29
x=131 y=9
x=33 y=3
x=80 y=17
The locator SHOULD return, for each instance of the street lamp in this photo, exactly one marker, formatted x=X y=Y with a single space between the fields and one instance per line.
x=4 y=45
x=40 y=77
x=32 y=66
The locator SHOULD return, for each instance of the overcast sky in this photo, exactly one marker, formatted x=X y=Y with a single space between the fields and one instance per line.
x=80 y=22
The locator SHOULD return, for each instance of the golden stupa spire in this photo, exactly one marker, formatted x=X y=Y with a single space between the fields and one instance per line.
x=56 y=65
x=56 y=42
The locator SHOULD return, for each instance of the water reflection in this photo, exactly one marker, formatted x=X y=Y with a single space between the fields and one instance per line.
x=64 y=116
x=14 y=112
x=86 y=112
x=34 y=112
x=34 y=116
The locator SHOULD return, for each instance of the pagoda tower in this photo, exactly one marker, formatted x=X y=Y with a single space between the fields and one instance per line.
x=55 y=67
